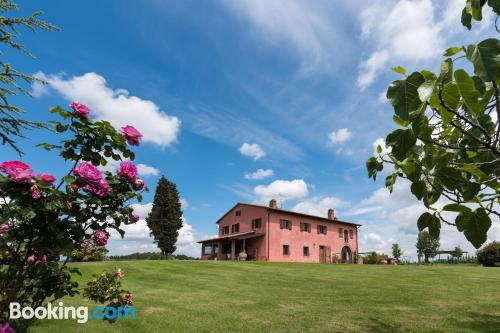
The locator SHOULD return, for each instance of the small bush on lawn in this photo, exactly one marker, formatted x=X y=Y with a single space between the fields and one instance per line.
x=374 y=258
x=489 y=255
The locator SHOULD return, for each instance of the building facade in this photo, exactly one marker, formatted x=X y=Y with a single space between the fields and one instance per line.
x=268 y=233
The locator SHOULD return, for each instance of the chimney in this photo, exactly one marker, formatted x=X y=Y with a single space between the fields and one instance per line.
x=331 y=214
x=273 y=204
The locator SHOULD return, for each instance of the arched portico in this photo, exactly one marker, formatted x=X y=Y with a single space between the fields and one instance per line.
x=346 y=255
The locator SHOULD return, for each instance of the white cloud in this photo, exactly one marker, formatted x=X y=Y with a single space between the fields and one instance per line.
x=407 y=31
x=340 y=136
x=282 y=190
x=319 y=206
x=305 y=26
x=252 y=150
x=381 y=142
x=369 y=68
x=118 y=107
x=147 y=170
x=184 y=203
x=259 y=174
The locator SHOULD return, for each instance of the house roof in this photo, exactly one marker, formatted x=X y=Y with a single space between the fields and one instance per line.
x=287 y=212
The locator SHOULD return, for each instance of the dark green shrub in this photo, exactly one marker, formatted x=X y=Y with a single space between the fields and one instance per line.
x=489 y=255
x=374 y=258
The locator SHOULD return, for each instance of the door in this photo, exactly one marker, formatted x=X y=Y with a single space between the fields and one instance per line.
x=346 y=255
x=322 y=254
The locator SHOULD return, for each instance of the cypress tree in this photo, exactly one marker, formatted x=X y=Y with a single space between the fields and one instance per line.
x=165 y=220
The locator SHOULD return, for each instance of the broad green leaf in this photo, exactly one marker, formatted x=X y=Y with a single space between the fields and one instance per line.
x=419 y=189
x=456 y=208
x=446 y=71
x=399 y=70
x=410 y=169
x=477 y=9
x=421 y=127
x=390 y=181
x=373 y=166
x=404 y=96
x=379 y=149
x=475 y=226
x=475 y=171
x=451 y=95
x=495 y=5
x=467 y=15
x=401 y=141
x=426 y=89
x=468 y=91
x=430 y=221
x=452 y=51
x=400 y=122
x=485 y=57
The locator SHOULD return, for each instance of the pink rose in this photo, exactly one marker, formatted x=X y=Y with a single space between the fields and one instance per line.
x=6 y=328
x=18 y=171
x=31 y=259
x=47 y=178
x=128 y=298
x=138 y=184
x=133 y=218
x=41 y=261
x=3 y=229
x=81 y=109
x=131 y=135
x=89 y=173
x=128 y=170
x=100 y=238
x=120 y=273
x=101 y=188
x=35 y=192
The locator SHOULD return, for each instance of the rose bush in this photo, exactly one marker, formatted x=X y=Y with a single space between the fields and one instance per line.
x=43 y=220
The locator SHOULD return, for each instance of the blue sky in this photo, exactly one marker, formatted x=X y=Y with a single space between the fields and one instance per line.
x=245 y=100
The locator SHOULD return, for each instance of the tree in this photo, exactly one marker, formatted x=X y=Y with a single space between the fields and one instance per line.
x=457 y=253
x=489 y=255
x=448 y=143
x=396 y=251
x=165 y=218
x=427 y=246
x=43 y=220
x=12 y=81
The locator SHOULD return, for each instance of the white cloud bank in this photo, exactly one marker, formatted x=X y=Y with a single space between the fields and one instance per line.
x=282 y=190
x=116 y=106
x=318 y=206
x=259 y=174
x=340 y=136
x=252 y=150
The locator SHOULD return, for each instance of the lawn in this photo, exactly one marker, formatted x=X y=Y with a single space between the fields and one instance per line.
x=195 y=296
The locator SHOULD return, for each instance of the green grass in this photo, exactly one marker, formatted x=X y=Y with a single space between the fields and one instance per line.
x=195 y=296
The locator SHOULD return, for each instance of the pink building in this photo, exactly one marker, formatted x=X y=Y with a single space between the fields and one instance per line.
x=267 y=233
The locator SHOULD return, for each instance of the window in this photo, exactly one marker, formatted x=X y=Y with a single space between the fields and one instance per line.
x=286 y=250
x=305 y=251
x=235 y=228
x=351 y=234
x=286 y=224
x=321 y=229
x=207 y=249
x=225 y=230
x=341 y=233
x=346 y=236
x=238 y=213
x=305 y=227
x=256 y=223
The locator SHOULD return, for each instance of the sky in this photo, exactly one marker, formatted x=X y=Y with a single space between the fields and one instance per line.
x=244 y=101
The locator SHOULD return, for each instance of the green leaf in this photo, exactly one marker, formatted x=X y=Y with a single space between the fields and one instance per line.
x=475 y=171
x=373 y=166
x=419 y=189
x=495 y=5
x=426 y=89
x=410 y=169
x=390 y=181
x=451 y=95
x=485 y=57
x=467 y=16
x=404 y=96
x=475 y=226
x=430 y=221
x=401 y=141
x=468 y=91
x=446 y=70
x=456 y=208
x=452 y=51
x=400 y=122
x=379 y=149
x=477 y=9
x=399 y=70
